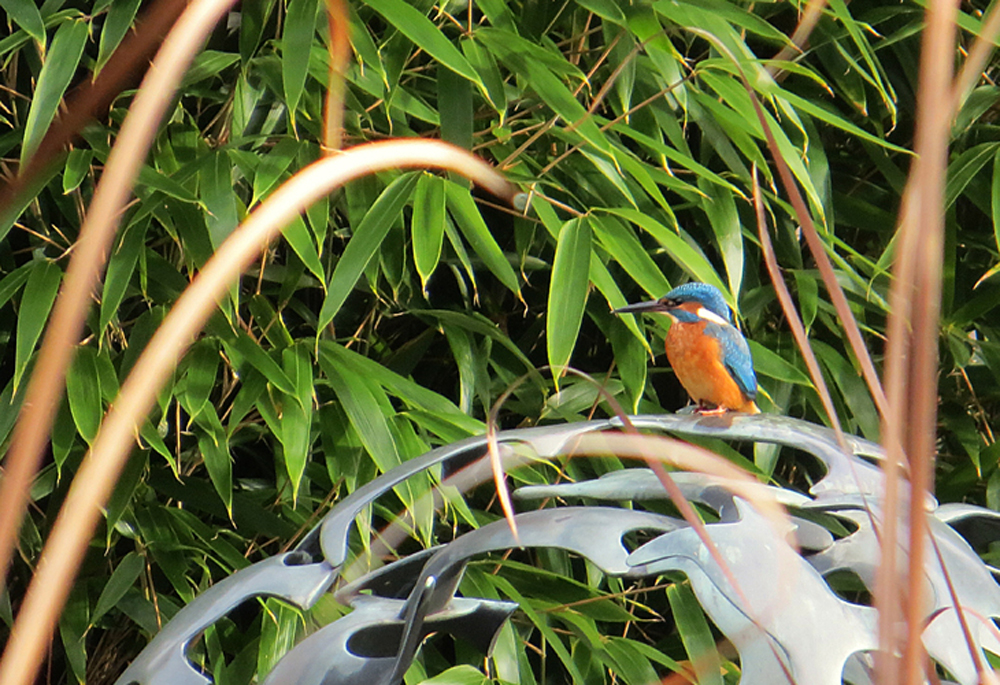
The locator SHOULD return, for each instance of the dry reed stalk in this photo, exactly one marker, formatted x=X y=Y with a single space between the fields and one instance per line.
x=909 y=428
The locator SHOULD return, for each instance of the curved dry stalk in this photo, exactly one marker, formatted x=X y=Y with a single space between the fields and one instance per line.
x=340 y=53
x=44 y=391
x=100 y=468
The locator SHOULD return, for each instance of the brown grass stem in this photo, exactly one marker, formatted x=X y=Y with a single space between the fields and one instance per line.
x=800 y=37
x=910 y=427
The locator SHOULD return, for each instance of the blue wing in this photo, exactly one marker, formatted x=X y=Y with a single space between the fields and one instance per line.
x=735 y=357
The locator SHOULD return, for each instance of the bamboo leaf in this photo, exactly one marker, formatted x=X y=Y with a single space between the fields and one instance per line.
x=301 y=241
x=216 y=186
x=202 y=362
x=364 y=244
x=425 y=35
x=77 y=167
x=455 y=108
x=695 y=634
x=60 y=65
x=253 y=354
x=296 y=45
x=36 y=302
x=626 y=249
x=685 y=256
x=296 y=414
x=116 y=24
x=428 y=224
x=123 y=578
x=121 y=267
x=546 y=84
x=994 y=200
x=365 y=414
x=83 y=390
x=463 y=209
x=25 y=14
x=568 y=291
x=213 y=443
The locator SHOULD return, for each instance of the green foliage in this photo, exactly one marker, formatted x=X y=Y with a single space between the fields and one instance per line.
x=399 y=310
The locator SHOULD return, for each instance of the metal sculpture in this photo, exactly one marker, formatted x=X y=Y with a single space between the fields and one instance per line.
x=796 y=629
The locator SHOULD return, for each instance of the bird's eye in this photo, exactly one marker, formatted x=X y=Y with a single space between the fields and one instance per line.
x=670 y=302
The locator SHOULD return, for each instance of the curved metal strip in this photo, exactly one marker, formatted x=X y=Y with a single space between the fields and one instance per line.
x=977 y=592
x=289 y=576
x=381 y=635
x=331 y=533
x=362 y=646
x=845 y=473
x=791 y=608
x=642 y=484
x=594 y=533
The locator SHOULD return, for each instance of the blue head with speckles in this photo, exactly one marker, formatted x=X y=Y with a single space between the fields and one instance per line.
x=708 y=296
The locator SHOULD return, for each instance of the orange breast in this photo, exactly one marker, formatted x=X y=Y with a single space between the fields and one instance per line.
x=697 y=360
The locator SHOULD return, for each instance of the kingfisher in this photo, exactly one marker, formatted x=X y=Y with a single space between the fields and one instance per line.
x=710 y=357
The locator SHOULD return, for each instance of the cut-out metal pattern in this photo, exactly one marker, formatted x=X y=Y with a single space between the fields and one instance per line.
x=782 y=616
x=292 y=577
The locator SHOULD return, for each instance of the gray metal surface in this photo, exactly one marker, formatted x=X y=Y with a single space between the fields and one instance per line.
x=781 y=615
x=292 y=577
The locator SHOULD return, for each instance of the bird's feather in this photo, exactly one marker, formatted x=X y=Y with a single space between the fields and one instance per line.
x=735 y=357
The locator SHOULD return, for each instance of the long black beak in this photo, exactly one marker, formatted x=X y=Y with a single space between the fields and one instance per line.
x=639 y=307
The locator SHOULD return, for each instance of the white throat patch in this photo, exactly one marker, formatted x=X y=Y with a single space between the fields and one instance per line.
x=709 y=315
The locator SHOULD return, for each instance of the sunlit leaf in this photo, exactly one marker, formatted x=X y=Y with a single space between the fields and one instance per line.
x=57 y=71
x=25 y=14
x=428 y=224
x=83 y=389
x=296 y=43
x=568 y=291
x=417 y=27
x=365 y=243
x=36 y=302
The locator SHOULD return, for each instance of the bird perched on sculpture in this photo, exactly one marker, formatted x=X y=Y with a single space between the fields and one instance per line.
x=709 y=355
